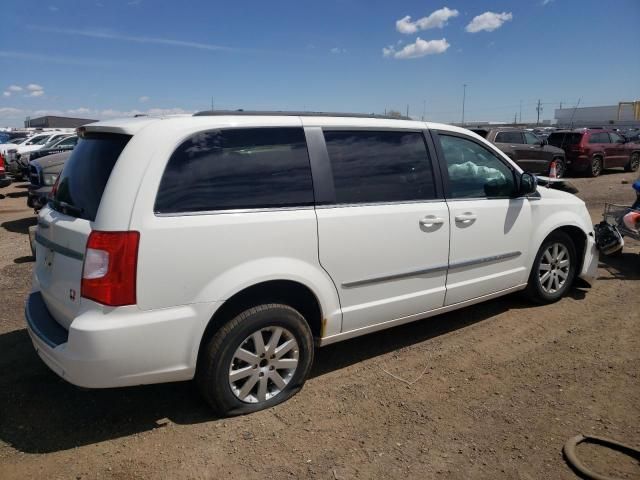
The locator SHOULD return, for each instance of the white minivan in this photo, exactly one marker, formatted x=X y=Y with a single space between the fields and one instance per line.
x=225 y=246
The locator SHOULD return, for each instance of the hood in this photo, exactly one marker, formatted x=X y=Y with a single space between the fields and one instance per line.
x=52 y=161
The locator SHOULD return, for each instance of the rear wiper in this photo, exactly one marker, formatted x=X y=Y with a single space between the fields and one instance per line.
x=65 y=207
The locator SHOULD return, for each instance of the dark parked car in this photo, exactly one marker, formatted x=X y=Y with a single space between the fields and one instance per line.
x=65 y=144
x=43 y=175
x=532 y=153
x=592 y=150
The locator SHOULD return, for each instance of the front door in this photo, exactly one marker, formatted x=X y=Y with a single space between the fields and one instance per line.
x=384 y=239
x=490 y=228
x=539 y=157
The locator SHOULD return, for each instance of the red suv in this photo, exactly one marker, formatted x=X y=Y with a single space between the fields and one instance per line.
x=592 y=150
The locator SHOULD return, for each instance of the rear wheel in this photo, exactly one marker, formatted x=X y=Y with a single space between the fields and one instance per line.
x=634 y=163
x=561 y=168
x=596 y=167
x=553 y=270
x=258 y=359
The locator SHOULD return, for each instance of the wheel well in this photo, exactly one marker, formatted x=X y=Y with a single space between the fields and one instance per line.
x=579 y=239
x=288 y=292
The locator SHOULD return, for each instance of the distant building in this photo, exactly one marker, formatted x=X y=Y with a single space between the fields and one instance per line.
x=625 y=114
x=56 y=122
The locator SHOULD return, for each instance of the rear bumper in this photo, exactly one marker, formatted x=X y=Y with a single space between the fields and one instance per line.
x=38 y=196
x=120 y=347
x=578 y=162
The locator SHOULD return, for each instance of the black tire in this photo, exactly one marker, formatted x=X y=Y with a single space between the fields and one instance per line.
x=596 y=167
x=535 y=291
x=561 y=168
x=219 y=352
x=634 y=163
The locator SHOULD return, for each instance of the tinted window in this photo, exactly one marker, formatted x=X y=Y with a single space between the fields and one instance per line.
x=237 y=168
x=85 y=174
x=562 y=139
x=509 y=137
x=474 y=171
x=599 y=138
x=375 y=166
x=531 y=139
x=615 y=138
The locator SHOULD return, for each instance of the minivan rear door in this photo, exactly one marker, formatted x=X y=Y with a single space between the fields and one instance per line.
x=65 y=224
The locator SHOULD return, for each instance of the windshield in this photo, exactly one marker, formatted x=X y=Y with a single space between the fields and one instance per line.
x=86 y=173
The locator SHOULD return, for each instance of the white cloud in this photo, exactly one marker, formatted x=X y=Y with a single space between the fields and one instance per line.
x=6 y=111
x=418 y=49
x=78 y=111
x=14 y=88
x=338 y=50
x=36 y=93
x=437 y=19
x=144 y=99
x=53 y=8
x=488 y=21
x=32 y=87
x=85 y=62
x=546 y=2
x=6 y=93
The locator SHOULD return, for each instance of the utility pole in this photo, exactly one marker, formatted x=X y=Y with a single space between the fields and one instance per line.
x=520 y=111
x=560 y=105
x=424 y=109
x=407 y=110
x=212 y=104
x=464 y=98
x=539 y=110
x=515 y=118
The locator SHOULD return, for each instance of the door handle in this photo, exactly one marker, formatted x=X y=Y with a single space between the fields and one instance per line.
x=431 y=220
x=466 y=217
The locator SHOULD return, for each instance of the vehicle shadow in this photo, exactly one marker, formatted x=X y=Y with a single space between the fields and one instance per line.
x=20 y=226
x=17 y=194
x=41 y=413
x=625 y=265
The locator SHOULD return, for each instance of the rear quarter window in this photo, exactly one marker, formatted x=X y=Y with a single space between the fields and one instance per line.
x=562 y=139
x=237 y=169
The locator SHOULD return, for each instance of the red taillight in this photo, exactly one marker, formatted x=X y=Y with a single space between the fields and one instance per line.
x=1 y=163
x=54 y=189
x=110 y=267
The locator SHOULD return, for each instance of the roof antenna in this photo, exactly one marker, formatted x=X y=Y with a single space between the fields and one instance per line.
x=573 y=114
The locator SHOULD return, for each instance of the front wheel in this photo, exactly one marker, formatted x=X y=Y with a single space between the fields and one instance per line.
x=257 y=360
x=633 y=164
x=553 y=270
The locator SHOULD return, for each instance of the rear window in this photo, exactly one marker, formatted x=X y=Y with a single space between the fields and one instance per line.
x=237 y=169
x=509 y=137
x=86 y=173
x=564 y=138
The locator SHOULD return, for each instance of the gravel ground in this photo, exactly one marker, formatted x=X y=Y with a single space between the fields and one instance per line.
x=496 y=390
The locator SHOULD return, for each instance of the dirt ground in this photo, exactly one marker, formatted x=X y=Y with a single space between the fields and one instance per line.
x=497 y=390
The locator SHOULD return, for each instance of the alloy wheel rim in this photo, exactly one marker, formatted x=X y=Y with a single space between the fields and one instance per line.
x=553 y=270
x=635 y=162
x=263 y=364
x=595 y=166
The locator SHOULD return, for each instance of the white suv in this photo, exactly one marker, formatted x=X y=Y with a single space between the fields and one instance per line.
x=222 y=246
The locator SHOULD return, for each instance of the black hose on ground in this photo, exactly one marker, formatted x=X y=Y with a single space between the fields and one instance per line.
x=569 y=451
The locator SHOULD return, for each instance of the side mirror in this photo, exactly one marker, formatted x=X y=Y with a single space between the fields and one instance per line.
x=544 y=142
x=528 y=184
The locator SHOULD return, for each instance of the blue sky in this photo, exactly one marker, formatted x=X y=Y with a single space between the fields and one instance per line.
x=100 y=59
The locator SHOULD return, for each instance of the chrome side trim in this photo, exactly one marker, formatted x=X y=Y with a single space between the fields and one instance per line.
x=479 y=261
x=424 y=271
x=235 y=210
x=411 y=318
x=394 y=276
x=67 y=252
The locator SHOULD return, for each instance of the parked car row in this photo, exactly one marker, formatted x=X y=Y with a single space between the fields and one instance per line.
x=579 y=151
x=18 y=150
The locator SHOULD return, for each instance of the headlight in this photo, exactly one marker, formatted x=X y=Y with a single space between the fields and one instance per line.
x=50 y=178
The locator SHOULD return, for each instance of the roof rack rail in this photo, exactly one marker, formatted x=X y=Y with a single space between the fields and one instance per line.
x=280 y=113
